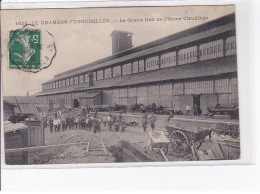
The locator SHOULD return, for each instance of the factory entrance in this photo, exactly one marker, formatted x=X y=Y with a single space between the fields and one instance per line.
x=75 y=103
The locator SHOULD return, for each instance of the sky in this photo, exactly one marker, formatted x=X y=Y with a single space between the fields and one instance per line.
x=80 y=44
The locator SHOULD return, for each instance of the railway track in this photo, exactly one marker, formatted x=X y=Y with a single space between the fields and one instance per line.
x=96 y=146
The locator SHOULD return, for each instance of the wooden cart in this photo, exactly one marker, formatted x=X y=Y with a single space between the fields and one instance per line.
x=183 y=137
x=158 y=140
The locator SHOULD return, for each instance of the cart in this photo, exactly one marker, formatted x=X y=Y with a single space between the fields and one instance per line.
x=158 y=140
x=184 y=136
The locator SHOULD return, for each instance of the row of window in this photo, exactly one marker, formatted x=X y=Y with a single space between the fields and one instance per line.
x=67 y=82
x=206 y=51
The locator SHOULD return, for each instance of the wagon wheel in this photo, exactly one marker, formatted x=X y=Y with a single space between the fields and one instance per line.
x=179 y=141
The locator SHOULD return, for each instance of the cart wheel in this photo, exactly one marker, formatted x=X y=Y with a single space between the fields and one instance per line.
x=197 y=144
x=179 y=141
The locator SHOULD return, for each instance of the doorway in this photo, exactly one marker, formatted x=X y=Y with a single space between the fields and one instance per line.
x=196 y=100
x=76 y=103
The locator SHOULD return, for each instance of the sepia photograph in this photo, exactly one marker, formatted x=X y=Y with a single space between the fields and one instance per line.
x=120 y=85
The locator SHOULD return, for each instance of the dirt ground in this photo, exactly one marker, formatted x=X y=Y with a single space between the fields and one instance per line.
x=130 y=146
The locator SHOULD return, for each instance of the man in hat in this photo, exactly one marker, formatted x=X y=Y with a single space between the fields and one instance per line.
x=145 y=122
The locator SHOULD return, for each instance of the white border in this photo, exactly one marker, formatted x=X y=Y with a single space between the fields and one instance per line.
x=244 y=74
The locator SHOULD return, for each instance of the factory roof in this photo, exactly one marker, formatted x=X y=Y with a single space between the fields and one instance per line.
x=211 y=28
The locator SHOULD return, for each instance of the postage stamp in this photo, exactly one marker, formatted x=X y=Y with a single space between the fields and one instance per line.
x=31 y=49
x=25 y=49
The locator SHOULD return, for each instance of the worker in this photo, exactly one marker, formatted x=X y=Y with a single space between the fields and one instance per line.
x=116 y=125
x=68 y=121
x=110 y=122
x=90 y=122
x=98 y=125
x=56 y=124
x=95 y=125
x=86 y=121
x=120 y=118
x=144 y=122
x=123 y=126
x=82 y=122
x=153 y=122
x=76 y=121
x=196 y=110
x=51 y=124
x=59 y=123
x=188 y=109
x=64 y=124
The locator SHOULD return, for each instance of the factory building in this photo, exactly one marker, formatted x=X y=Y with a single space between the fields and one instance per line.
x=194 y=66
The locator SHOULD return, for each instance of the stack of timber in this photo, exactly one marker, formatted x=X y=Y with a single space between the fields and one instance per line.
x=224 y=147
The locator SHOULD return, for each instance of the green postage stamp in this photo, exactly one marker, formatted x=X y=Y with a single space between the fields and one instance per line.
x=25 y=49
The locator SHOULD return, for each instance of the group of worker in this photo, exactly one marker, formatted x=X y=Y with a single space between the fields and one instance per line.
x=116 y=123
x=196 y=110
x=145 y=122
x=79 y=122
x=93 y=123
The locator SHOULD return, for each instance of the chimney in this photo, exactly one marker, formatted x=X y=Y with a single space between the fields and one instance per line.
x=121 y=41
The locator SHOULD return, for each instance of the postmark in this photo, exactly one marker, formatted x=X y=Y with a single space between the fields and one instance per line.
x=31 y=49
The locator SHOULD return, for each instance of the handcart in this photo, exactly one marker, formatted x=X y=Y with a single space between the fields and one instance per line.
x=185 y=136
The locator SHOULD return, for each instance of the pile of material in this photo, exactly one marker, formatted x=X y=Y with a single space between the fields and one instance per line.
x=9 y=127
x=223 y=147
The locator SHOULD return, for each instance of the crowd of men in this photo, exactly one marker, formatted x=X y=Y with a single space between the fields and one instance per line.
x=87 y=122
x=93 y=123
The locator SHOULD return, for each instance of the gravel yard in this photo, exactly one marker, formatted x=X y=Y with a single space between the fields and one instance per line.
x=130 y=146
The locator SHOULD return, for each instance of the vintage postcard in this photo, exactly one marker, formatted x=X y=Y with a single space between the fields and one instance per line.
x=120 y=85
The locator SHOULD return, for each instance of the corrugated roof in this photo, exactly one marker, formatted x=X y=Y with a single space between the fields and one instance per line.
x=211 y=67
x=211 y=28
x=28 y=109
x=24 y=104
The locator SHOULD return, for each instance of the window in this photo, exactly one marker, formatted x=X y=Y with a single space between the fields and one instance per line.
x=53 y=85
x=187 y=55
x=211 y=50
x=60 y=84
x=141 y=66
x=124 y=71
x=231 y=45
x=129 y=69
x=100 y=75
x=94 y=76
x=116 y=71
x=108 y=73
x=199 y=87
x=63 y=82
x=152 y=63
x=50 y=86
x=81 y=79
x=67 y=82
x=135 y=67
x=57 y=84
x=71 y=81
x=86 y=78
x=76 y=80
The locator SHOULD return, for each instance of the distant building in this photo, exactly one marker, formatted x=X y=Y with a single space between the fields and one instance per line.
x=18 y=108
x=22 y=127
x=194 y=66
